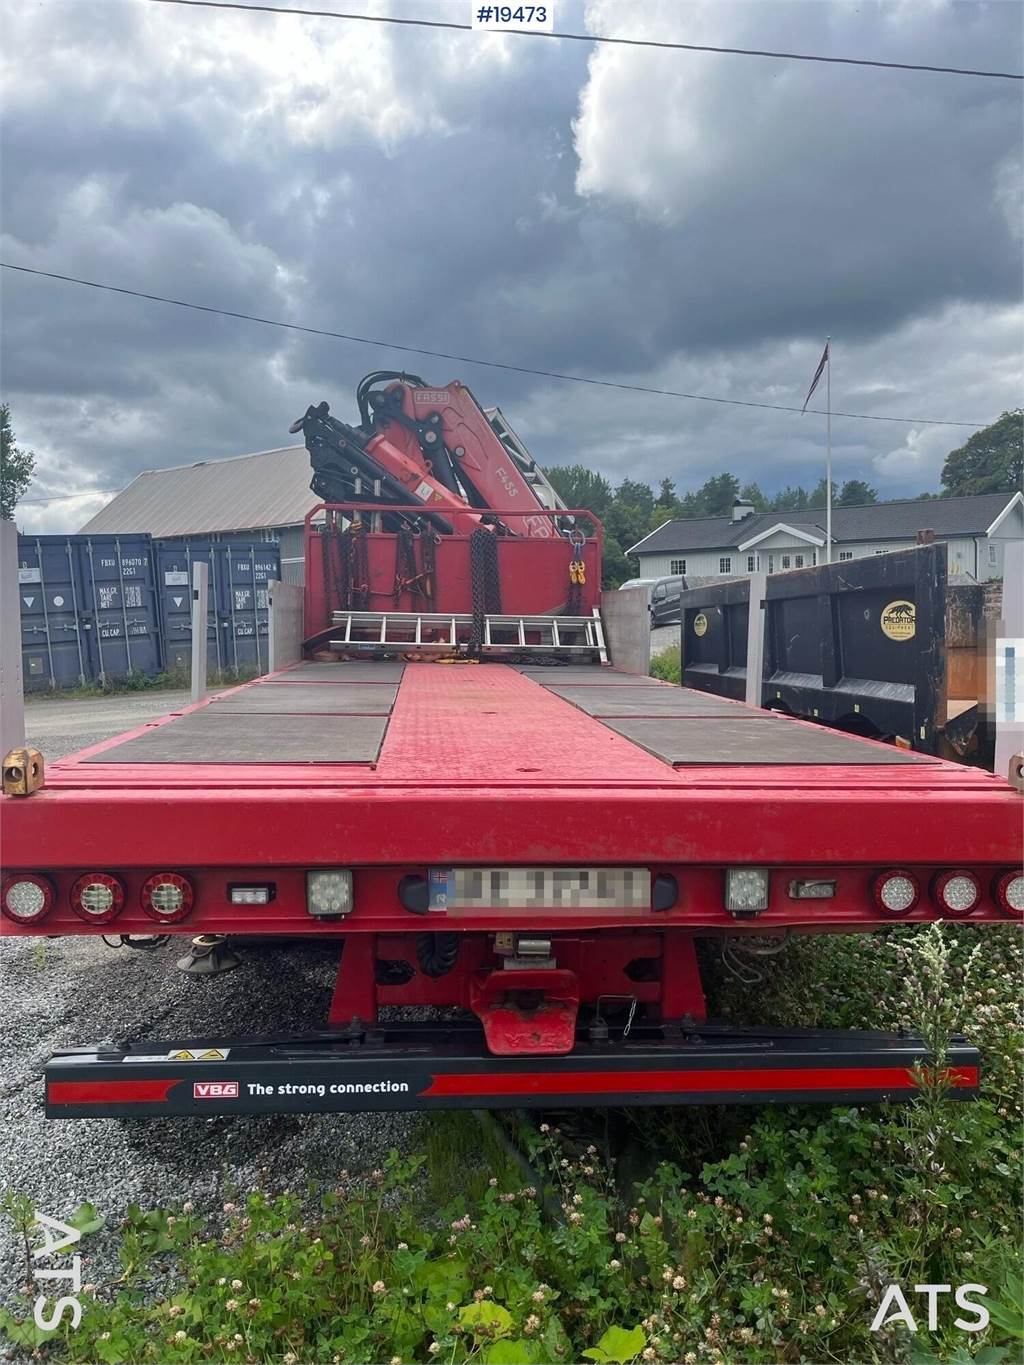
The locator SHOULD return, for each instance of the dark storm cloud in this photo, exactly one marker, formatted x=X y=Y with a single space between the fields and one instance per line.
x=692 y=222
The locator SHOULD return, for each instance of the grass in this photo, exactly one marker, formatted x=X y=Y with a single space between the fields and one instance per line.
x=667 y=665
x=743 y=1236
x=131 y=684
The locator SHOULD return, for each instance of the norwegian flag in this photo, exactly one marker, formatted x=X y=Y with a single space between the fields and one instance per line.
x=817 y=375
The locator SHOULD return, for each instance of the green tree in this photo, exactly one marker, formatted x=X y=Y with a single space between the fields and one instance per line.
x=16 y=466
x=581 y=487
x=989 y=461
x=751 y=492
x=628 y=518
x=856 y=493
x=789 y=499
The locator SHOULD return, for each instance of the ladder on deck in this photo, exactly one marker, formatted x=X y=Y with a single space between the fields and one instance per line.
x=395 y=632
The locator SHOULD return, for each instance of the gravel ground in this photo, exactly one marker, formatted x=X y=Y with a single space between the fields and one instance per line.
x=664 y=637
x=63 y=726
x=68 y=991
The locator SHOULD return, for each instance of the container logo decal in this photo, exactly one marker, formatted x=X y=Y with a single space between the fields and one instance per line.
x=898 y=620
x=700 y=624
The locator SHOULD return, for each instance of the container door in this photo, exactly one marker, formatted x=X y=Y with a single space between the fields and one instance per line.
x=119 y=606
x=54 y=650
x=174 y=560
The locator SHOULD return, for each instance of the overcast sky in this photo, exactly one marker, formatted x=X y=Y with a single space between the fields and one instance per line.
x=681 y=220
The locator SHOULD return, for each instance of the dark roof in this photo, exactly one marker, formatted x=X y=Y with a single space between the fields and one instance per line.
x=970 y=516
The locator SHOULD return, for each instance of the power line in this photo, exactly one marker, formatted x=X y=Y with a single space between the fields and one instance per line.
x=473 y=360
x=595 y=38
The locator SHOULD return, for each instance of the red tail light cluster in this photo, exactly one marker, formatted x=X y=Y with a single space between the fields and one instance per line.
x=167 y=897
x=896 y=892
x=1008 y=894
x=96 y=897
x=956 y=893
x=25 y=899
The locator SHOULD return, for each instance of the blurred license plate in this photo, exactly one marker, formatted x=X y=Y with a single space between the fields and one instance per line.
x=540 y=888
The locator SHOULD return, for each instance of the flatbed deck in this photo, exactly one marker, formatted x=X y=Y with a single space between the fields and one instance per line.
x=385 y=765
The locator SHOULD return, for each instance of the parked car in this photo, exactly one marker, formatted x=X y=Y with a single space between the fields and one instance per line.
x=665 y=606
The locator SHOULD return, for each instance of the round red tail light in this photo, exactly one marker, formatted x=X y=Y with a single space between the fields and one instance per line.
x=896 y=892
x=25 y=898
x=957 y=893
x=1008 y=893
x=166 y=897
x=97 y=897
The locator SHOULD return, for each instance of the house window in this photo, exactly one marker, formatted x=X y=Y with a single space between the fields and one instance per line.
x=814 y=556
x=993 y=553
x=785 y=561
x=799 y=561
x=845 y=554
x=677 y=566
x=880 y=552
x=751 y=561
x=725 y=564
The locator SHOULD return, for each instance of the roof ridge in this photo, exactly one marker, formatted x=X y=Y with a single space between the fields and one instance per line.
x=222 y=459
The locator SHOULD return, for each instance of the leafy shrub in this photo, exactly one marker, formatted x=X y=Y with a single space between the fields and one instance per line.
x=768 y=1235
x=667 y=665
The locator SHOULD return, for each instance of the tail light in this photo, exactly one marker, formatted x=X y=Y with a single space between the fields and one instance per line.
x=957 y=893
x=1008 y=893
x=25 y=898
x=167 y=897
x=896 y=892
x=97 y=897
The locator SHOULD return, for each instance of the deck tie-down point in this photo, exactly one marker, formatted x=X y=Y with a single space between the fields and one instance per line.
x=527 y=1012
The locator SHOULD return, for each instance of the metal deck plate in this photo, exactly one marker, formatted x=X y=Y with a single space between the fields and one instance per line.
x=756 y=742
x=653 y=701
x=367 y=699
x=583 y=673
x=214 y=736
x=346 y=671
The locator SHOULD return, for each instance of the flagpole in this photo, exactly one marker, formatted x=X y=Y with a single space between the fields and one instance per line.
x=828 y=454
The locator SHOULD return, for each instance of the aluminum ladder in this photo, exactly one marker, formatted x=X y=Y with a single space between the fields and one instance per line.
x=395 y=632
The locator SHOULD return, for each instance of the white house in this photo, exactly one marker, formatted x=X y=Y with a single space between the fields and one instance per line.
x=975 y=530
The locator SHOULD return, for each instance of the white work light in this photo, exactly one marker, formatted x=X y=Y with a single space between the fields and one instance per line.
x=746 y=889
x=329 y=892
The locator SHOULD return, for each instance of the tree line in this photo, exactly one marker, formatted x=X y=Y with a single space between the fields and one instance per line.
x=990 y=461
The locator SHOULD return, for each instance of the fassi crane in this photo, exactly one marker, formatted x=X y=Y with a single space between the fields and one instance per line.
x=434 y=446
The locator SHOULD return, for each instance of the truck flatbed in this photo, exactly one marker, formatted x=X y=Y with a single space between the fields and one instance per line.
x=383 y=764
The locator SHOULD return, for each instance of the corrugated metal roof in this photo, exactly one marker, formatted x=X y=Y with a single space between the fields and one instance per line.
x=244 y=492
x=970 y=516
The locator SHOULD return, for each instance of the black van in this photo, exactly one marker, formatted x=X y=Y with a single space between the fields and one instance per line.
x=665 y=592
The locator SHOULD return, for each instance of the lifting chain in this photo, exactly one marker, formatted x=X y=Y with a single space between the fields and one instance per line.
x=358 y=567
x=577 y=573
x=484 y=582
x=418 y=583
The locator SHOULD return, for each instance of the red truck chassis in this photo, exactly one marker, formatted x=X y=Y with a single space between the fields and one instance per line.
x=521 y=845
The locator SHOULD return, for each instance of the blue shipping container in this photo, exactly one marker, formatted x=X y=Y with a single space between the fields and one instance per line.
x=88 y=610
x=237 y=608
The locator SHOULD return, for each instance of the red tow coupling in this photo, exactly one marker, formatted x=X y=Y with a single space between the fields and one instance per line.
x=527 y=1012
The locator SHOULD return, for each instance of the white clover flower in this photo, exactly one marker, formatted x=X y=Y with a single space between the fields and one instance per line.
x=379 y=1287
x=236 y=1284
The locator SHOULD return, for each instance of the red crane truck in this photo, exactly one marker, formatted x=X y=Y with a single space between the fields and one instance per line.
x=457 y=787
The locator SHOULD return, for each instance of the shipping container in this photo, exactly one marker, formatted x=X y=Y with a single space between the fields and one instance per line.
x=88 y=610
x=237 y=618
